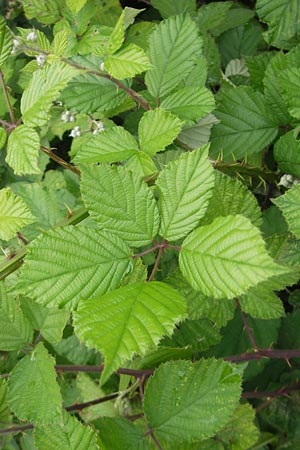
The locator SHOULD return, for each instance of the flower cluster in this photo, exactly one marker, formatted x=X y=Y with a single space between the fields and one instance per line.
x=100 y=127
x=288 y=181
x=75 y=132
x=68 y=117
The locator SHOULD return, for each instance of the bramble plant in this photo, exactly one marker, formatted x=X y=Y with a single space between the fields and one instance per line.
x=150 y=225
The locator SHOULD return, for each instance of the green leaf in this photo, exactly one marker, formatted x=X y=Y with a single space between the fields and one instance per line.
x=261 y=303
x=125 y=20
x=43 y=89
x=23 y=149
x=287 y=153
x=47 y=11
x=119 y=433
x=240 y=432
x=158 y=129
x=225 y=258
x=167 y=8
x=231 y=197
x=185 y=187
x=50 y=322
x=127 y=62
x=189 y=103
x=141 y=164
x=246 y=123
x=289 y=81
x=15 y=330
x=33 y=393
x=5 y=42
x=282 y=17
x=201 y=396
x=198 y=134
x=4 y=410
x=67 y=264
x=72 y=435
x=75 y=5
x=2 y=137
x=14 y=214
x=111 y=145
x=174 y=47
x=211 y=16
x=120 y=202
x=128 y=320
x=88 y=94
x=289 y=205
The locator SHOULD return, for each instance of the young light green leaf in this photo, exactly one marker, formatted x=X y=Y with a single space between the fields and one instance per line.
x=287 y=154
x=2 y=137
x=120 y=202
x=49 y=321
x=60 y=43
x=33 y=393
x=44 y=87
x=111 y=145
x=89 y=94
x=127 y=62
x=15 y=330
x=231 y=197
x=128 y=320
x=157 y=130
x=174 y=47
x=189 y=103
x=203 y=396
x=47 y=11
x=71 y=435
x=246 y=123
x=125 y=20
x=75 y=5
x=225 y=258
x=119 y=433
x=185 y=187
x=283 y=19
x=141 y=164
x=289 y=81
x=14 y=214
x=23 y=149
x=168 y=9
x=5 y=42
x=67 y=264
x=289 y=205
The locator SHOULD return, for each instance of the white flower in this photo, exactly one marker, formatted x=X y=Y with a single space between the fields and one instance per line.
x=288 y=180
x=41 y=59
x=72 y=118
x=100 y=127
x=75 y=132
x=32 y=36
x=16 y=45
x=102 y=67
x=68 y=117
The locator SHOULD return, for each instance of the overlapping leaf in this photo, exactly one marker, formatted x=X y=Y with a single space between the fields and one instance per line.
x=120 y=202
x=287 y=154
x=289 y=205
x=14 y=214
x=225 y=258
x=71 y=435
x=121 y=434
x=289 y=81
x=168 y=9
x=185 y=187
x=117 y=37
x=174 y=47
x=111 y=145
x=5 y=42
x=23 y=149
x=158 y=129
x=2 y=138
x=246 y=123
x=127 y=62
x=67 y=264
x=185 y=402
x=128 y=320
x=33 y=393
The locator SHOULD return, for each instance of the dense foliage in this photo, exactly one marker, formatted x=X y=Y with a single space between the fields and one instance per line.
x=150 y=225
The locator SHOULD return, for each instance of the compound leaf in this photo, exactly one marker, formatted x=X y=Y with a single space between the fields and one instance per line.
x=225 y=258
x=185 y=187
x=289 y=205
x=174 y=47
x=158 y=129
x=128 y=320
x=111 y=145
x=23 y=149
x=120 y=202
x=43 y=89
x=246 y=123
x=190 y=102
x=72 y=435
x=127 y=62
x=201 y=396
x=14 y=214
x=33 y=393
x=15 y=330
x=67 y=264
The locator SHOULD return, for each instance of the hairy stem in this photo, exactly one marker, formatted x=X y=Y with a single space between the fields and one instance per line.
x=122 y=371
x=59 y=160
x=247 y=327
x=267 y=353
x=277 y=393
x=6 y=98
x=157 y=261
